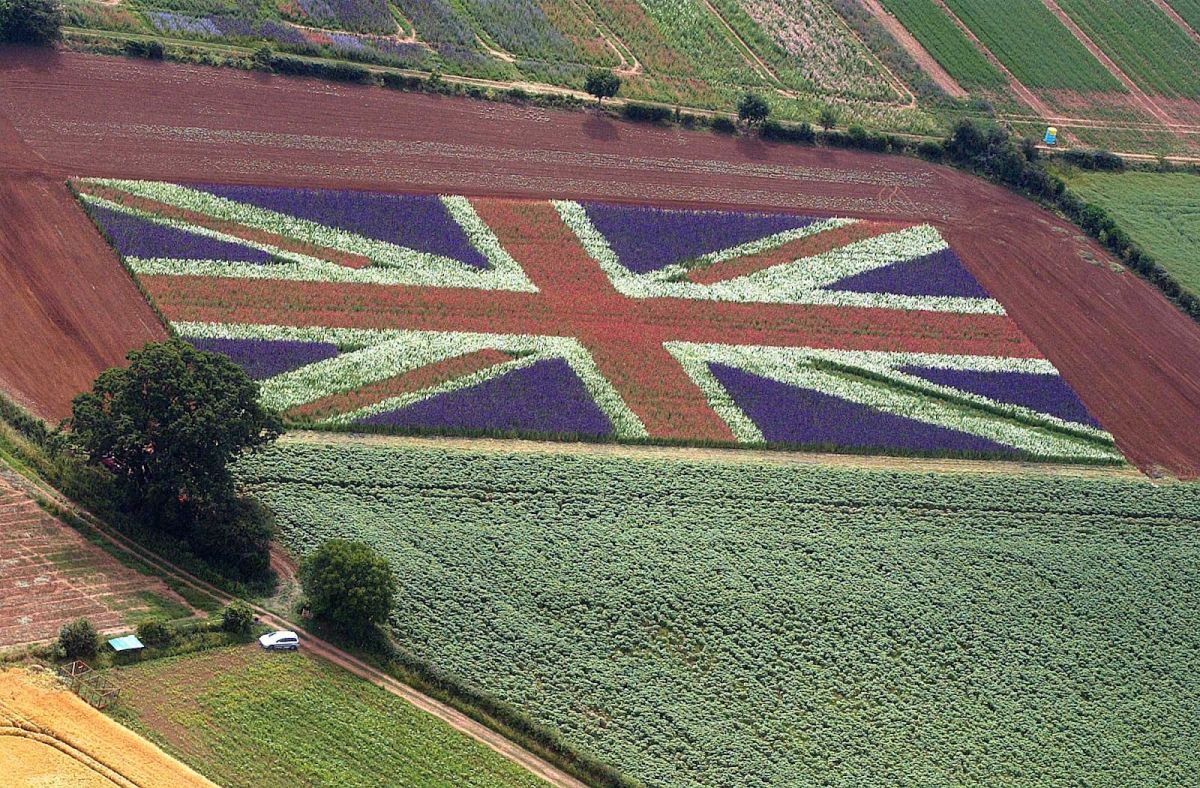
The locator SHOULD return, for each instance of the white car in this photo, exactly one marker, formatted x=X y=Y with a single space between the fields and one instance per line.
x=281 y=640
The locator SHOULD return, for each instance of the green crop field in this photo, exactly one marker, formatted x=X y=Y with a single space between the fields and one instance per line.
x=1160 y=211
x=1143 y=41
x=1034 y=45
x=245 y=717
x=706 y=623
x=1189 y=10
x=946 y=43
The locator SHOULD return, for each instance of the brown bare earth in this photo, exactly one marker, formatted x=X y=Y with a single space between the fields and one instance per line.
x=1133 y=358
x=50 y=574
x=50 y=737
x=69 y=311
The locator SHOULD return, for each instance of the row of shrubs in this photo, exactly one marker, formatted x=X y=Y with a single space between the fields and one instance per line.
x=80 y=640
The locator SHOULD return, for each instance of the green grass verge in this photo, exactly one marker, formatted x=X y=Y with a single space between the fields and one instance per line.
x=244 y=717
x=704 y=623
x=1159 y=211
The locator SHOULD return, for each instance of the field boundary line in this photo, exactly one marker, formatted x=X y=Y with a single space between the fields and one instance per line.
x=1142 y=98
x=1177 y=19
x=916 y=50
x=1014 y=84
x=313 y=644
x=717 y=455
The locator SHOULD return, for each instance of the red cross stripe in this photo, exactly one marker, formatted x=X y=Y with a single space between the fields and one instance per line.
x=575 y=298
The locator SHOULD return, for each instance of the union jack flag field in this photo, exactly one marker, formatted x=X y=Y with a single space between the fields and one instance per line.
x=595 y=321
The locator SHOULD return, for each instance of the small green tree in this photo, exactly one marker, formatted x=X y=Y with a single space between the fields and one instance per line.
x=828 y=118
x=78 y=639
x=348 y=585
x=154 y=633
x=237 y=617
x=601 y=83
x=31 y=21
x=753 y=108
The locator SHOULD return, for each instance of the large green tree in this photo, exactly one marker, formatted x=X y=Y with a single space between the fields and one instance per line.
x=753 y=108
x=348 y=585
x=30 y=21
x=169 y=424
x=601 y=83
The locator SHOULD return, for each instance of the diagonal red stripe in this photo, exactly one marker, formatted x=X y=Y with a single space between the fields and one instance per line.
x=819 y=243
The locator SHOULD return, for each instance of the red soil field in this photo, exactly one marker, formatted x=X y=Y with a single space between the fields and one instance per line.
x=1133 y=358
x=52 y=575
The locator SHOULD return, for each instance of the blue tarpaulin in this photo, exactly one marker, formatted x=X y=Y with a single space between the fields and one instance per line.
x=127 y=643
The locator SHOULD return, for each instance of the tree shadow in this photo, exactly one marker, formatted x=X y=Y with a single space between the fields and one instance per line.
x=752 y=147
x=28 y=56
x=597 y=126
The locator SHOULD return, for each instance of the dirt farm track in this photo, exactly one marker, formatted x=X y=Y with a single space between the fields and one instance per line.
x=69 y=309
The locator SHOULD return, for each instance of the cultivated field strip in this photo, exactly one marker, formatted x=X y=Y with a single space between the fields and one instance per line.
x=697 y=622
x=50 y=574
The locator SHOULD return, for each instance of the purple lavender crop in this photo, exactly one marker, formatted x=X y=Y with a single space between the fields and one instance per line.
x=1043 y=393
x=265 y=358
x=938 y=274
x=363 y=16
x=647 y=239
x=790 y=414
x=416 y=221
x=167 y=22
x=545 y=397
x=137 y=237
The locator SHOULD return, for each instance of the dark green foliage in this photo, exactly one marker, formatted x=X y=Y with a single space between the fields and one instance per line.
x=930 y=150
x=348 y=586
x=337 y=71
x=166 y=428
x=78 y=640
x=263 y=56
x=169 y=424
x=151 y=49
x=154 y=633
x=601 y=83
x=236 y=535
x=1094 y=160
x=646 y=113
x=401 y=81
x=723 y=125
x=36 y=22
x=237 y=617
x=753 y=108
x=802 y=134
x=828 y=118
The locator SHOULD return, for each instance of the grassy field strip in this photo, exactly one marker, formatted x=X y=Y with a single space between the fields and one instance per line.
x=245 y=717
x=1160 y=211
x=1189 y=10
x=321 y=648
x=1178 y=19
x=1018 y=88
x=715 y=455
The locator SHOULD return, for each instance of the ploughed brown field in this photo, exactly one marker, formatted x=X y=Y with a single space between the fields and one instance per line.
x=1131 y=356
